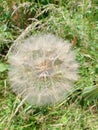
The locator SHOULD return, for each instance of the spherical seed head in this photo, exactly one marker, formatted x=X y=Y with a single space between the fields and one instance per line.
x=43 y=69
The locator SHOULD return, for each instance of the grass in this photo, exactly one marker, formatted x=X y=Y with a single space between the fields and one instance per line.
x=75 y=21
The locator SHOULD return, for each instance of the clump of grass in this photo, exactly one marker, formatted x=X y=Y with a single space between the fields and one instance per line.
x=77 y=22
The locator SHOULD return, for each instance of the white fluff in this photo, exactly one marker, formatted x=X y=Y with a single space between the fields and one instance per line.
x=43 y=68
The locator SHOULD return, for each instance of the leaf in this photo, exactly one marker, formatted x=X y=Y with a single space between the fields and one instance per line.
x=3 y=28
x=90 y=92
x=74 y=41
x=3 y=67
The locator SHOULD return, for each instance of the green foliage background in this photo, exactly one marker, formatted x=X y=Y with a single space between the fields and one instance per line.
x=76 y=21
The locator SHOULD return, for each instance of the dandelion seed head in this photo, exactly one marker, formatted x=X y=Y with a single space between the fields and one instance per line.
x=43 y=68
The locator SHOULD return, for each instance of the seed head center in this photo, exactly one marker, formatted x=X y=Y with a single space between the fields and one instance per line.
x=44 y=69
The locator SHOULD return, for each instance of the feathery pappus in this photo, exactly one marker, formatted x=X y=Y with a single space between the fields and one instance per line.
x=43 y=69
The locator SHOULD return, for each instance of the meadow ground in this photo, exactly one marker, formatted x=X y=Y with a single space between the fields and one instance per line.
x=74 y=21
